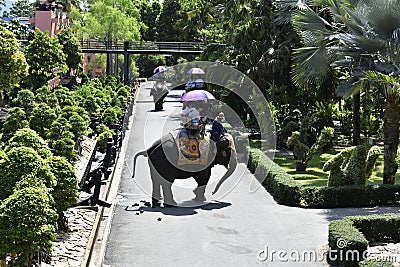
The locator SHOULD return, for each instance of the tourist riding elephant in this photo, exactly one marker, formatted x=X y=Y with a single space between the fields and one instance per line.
x=164 y=156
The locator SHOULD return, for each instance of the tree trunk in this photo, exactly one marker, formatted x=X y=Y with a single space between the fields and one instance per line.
x=356 y=120
x=391 y=123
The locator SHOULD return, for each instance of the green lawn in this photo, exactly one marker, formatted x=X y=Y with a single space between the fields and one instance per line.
x=314 y=176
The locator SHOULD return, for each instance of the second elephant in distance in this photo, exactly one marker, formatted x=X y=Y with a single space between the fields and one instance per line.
x=163 y=158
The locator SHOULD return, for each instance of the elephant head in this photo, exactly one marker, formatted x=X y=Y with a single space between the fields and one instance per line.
x=225 y=155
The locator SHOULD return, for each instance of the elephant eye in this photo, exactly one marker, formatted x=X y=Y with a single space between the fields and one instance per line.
x=223 y=153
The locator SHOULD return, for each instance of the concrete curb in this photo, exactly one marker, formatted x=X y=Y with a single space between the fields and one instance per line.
x=97 y=243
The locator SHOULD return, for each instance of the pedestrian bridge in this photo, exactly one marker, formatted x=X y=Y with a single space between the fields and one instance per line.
x=142 y=47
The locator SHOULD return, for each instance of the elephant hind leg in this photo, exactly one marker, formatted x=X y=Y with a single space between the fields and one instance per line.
x=156 y=191
x=167 y=193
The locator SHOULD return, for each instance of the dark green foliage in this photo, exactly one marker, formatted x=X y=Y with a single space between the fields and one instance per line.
x=26 y=100
x=60 y=139
x=299 y=149
x=29 y=138
x=148 y=63
x=323 y=139
x=344 y=232
x=42 y=60
x=287 y=191
x=348 y=167
x=357 y=231
x=355 y=168
x=27 y=224
x=42 y=118
x=336 y=165
x=282 y=186
x=71 y=49
x=373 y=155
x=109 y=117
x=285 y=132
x=16 y=120
x=65 y=193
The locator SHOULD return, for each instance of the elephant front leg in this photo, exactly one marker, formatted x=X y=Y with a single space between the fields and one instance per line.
x=200 y=193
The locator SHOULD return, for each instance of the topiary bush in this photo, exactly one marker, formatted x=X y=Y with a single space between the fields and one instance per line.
x=19 y=162
x=373 y=155
x=29 y=138
x=102 y=140
x=16 y=120
x=356 y=167
x=109 y=117
x=65 y=193
x=27 y=224
x=336 y=167
x=299 y=149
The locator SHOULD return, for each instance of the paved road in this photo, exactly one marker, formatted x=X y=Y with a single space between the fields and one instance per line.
x=235 y=229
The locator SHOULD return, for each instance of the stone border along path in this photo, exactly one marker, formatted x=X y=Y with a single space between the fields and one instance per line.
x=75 y=248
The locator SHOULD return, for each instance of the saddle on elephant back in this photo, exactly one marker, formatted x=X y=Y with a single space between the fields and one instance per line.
x=192 y=148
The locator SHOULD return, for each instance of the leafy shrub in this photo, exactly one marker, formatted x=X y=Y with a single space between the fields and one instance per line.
x=20 y=162
x=109 y=117
x=27 y=224
x=29 y=138
x=355 y=168
x=16 y=120
x=287 y=191
x=299 y=149
x=102 y=139
x=336 y=165
x=358 y=231
x=25 y=99
x=372 y=157
x=41 y=118
x=65 y=193
x=351 y=166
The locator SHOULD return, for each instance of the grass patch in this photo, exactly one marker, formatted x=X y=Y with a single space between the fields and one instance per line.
x=314 y=176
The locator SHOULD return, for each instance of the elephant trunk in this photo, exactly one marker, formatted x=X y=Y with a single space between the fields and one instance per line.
x=231 y=169
x=141 y=153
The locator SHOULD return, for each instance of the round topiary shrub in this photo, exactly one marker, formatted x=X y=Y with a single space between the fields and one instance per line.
x=20 y=162
x=16 y=120
x=29 y=138
x=27 y=224
x=109 y=116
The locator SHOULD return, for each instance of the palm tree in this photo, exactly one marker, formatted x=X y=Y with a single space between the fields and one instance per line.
x=358 y=36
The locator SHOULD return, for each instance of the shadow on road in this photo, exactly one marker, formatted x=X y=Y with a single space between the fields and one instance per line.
x=180 y=211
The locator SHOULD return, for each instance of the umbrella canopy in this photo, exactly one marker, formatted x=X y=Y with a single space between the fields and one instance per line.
x=159 y=69
x=196 y=71
x=197 y=95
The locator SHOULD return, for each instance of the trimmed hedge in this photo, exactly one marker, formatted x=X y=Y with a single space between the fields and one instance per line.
x=287 y=191
x=353 y=233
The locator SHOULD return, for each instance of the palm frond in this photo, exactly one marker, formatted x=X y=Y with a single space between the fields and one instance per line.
x=311 y=64
x=350 y=87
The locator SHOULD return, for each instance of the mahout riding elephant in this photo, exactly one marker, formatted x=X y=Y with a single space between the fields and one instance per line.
x=163 y=157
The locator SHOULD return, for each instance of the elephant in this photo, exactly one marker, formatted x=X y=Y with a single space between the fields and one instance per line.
x=163 y=157
x=159 y=92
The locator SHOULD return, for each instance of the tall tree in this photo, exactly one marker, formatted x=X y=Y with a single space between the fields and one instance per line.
x=356 y=39
x=149 y=13
x=167 y=29
x=22 y=8
x=13 y=65
x=71 y=49
x=43 y=55
x=111 y=21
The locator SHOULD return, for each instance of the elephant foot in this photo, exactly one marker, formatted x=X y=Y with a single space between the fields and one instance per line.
x=200 y=198
x=170 y=204
x=155 y=203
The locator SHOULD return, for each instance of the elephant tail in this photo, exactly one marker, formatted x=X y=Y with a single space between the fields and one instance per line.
x=141 y=153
